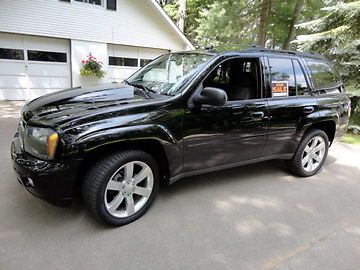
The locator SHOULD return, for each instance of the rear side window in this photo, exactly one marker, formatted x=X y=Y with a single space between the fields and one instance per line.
x=301 y=84
x=323 y=74
x=282 y=77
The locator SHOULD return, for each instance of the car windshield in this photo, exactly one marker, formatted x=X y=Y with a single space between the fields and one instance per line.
x=166 y=74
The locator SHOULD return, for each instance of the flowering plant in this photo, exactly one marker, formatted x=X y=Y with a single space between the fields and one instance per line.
x=92 y=67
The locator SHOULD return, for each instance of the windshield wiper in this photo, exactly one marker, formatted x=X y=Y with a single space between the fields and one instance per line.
x=143 y=87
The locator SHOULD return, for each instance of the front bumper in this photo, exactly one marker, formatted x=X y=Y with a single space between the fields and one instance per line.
x=51 y=181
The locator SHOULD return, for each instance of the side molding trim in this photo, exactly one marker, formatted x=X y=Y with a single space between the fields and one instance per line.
x=228 y=166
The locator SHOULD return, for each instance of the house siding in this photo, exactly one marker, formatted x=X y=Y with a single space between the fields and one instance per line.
x=135 y=23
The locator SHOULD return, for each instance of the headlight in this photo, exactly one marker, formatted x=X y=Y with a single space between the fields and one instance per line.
x=40 y=142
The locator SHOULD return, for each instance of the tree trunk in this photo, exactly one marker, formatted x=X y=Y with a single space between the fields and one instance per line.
x=298 y=8
x=264 y=17
x=182 y=15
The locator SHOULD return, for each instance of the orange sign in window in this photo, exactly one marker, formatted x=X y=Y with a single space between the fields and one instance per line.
x=280 y=89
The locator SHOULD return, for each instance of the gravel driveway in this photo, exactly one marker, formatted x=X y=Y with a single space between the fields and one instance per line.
x=252 y=217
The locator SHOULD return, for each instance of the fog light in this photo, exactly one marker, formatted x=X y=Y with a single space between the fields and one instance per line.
x=29 y=182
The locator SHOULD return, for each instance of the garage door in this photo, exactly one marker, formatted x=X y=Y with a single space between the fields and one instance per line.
x=125 y=60
x=32 y=66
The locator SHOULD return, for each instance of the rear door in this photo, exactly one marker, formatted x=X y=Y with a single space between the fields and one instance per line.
x=289 y=102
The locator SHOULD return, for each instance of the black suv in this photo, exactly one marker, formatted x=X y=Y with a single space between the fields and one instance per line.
x=183 y=114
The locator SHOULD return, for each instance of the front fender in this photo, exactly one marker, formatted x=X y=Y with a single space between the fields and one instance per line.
x=103 y=137
x=115 y=136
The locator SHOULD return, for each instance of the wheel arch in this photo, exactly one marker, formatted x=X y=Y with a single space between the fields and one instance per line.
x=154 y=140
x=328 y=126
x=151 y=146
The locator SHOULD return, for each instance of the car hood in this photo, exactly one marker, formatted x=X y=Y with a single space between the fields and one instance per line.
x=78 y=103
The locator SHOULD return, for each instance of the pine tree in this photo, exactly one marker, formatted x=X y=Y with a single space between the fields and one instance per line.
x=337 y=36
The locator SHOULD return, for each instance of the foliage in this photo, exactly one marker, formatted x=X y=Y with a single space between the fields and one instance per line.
x=194 y=8
x=351 y=138
x=92 y=67
x=227 y=22
x=213 y=23
x=337 y=36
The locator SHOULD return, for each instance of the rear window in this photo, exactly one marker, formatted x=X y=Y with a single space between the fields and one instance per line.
x=282 y=71
x=323 y=74
x=288 y=75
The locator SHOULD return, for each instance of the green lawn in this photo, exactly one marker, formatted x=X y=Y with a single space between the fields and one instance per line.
x=351 y=138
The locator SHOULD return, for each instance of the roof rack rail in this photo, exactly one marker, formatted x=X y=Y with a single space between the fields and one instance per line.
x=303 y=54
x=232 y=45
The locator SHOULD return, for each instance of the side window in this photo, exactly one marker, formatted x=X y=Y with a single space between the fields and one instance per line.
x=282 y=77
x=239 y=78
x=302 y=87
x=219 y=77
x=323 y=74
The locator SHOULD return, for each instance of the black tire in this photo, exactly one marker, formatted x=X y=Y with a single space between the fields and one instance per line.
x=295 y=164
x=100 y=173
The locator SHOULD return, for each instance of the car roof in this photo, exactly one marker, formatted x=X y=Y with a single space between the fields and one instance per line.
x=258 y=51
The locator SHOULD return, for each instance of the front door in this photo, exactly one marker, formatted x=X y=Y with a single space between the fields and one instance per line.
x=231 y=133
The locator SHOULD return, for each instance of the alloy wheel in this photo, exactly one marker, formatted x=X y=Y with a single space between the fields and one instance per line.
x=128 y=189
x=313 y=154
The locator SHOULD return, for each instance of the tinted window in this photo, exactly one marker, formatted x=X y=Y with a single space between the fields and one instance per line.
x=237 y=77
x=11 y=54
x=323 y=74
x=46 y=56
x=281 y=70
x=122 y=61
x=144 y=62
x=301 y=84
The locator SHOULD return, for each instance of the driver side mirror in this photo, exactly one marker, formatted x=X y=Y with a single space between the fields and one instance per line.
x=211 y=96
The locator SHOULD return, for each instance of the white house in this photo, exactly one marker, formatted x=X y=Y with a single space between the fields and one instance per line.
x=42 y=42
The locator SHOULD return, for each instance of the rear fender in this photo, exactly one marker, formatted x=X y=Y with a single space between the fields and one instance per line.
x=316 y=118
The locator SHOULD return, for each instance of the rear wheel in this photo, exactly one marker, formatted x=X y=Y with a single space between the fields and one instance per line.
x=120 y=188
x=310 y=154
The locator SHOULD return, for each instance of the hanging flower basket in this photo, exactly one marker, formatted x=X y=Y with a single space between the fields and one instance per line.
x=92 y=67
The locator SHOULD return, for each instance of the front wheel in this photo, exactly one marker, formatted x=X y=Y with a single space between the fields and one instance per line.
x=310 y=154
x=121 y=187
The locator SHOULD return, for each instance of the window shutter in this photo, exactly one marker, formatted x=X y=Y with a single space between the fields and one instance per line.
x=111 y=4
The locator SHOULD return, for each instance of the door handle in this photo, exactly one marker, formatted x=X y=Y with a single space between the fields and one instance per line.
x=308 y=109
x=257 y=115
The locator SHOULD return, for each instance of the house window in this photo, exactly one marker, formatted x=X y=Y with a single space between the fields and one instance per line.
x=12 y=54
x=111 y=4
x=46 y=56
x=94 y=2
x=144 y=62
x=123 y=61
